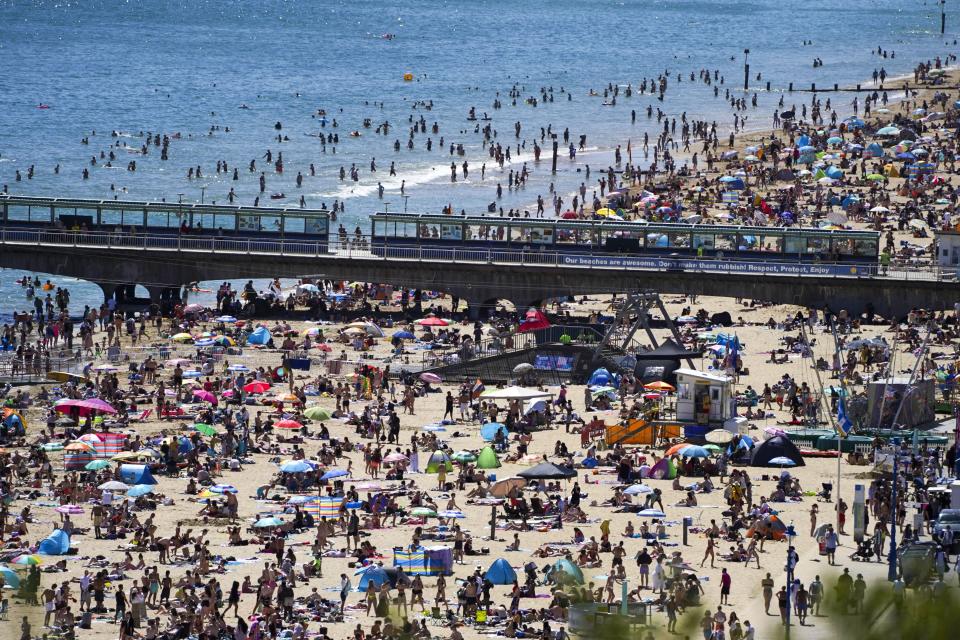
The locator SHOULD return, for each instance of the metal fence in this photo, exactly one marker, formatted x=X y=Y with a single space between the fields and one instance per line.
x=572 y=260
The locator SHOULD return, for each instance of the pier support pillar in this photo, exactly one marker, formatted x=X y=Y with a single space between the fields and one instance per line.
x=109 y=289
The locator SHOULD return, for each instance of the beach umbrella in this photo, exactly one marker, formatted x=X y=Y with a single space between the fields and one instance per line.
x=404 y=335
x=225 y=341
x=204 y=396
x=127 y=456
x=651 y=513
x=286 y=397
x=693 y=451
x=192 y=308
x=432 y=378
x=719 y=436
x=317 y=413
x=225 y=319
x=182 y=337
x=712 y=448
x=266 y=523
x=96 y=465
x=463 y=456
x=223 y=488
x=432 y=322
x=138 y=490
x=875 y=177
x=113 y=485
x=287 y=424
x=257 y=386
x=637 y=489
x=396 y=457
x=672 y=451
x=888 y=132
x=205 y=429
x=80 y=446
x=10 y=577
x=502 y=488
x=334 y=473
x=28 y=559
x=547 y=471
x=295 y=466
x=522 y=368
x=70 y=509
x=451 y=513
x=659 y=385
x=423 y=512
x=781 y=461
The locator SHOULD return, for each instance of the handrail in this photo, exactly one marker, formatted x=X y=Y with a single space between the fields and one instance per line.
x=362 y=248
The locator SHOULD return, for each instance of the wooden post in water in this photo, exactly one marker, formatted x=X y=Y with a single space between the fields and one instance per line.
x=746 y=70
x=555 y=147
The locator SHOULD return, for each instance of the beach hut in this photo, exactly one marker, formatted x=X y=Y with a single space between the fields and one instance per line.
x=488 y=459
x=500 y=572
x=776 y=447
x=703 y=398
x=664 y=470
x=55 y=544
x=136 y=474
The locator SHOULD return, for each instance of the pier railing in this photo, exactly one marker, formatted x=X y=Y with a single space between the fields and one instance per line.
x=364 y=249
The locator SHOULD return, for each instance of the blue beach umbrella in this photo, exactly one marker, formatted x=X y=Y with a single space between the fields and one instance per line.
x=138 y=490
x=333 y=473
x=265 y=523
x=295 y=466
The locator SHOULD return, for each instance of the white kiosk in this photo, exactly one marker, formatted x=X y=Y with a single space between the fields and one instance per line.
x=703 y=398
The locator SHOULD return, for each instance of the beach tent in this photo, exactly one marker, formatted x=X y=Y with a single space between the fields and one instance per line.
x=834 y=172
x=436 y=459
x=571 y=573
x=663 y=470
x=105 y=447
x=372 y=573
x=873 y=150
x=425 y=561
x=603 y=378
x=533 y=321
x=260 y=335
x=488 y=459
x=489 y=431
x=547 y=471
x=55 y=544
x=136 y=474
x=776 y=447
x=500 y=572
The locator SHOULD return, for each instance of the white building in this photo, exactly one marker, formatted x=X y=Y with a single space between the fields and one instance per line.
x=703 y=398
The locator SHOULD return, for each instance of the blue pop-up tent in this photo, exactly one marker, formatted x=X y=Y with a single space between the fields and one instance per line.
x=500 y=572
x=55 y=544
x=372 y=573
x=136 y=474
x=260 y=335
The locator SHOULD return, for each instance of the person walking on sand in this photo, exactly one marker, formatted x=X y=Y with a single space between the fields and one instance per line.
x=813 y=519
x=725 y=581
x=709 y=551
x=767 y=586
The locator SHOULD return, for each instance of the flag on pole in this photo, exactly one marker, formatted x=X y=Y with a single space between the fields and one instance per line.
x=843 y=422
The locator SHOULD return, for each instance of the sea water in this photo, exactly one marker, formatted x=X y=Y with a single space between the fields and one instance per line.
x=194 y=69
